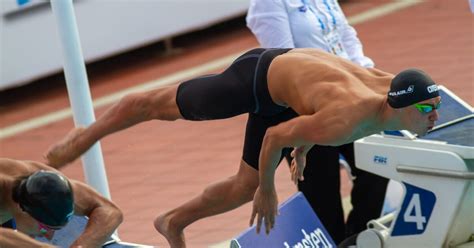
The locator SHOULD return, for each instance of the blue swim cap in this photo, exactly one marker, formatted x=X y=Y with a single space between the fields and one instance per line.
x=47 y=196
x=411 y=86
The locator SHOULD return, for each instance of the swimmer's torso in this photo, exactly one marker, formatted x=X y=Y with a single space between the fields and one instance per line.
x=309 y=79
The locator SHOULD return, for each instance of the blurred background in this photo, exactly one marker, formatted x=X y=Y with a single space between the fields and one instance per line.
x=156 y=166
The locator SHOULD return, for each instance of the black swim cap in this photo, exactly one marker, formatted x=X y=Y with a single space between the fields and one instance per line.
x=47 y=196
x=411 y=86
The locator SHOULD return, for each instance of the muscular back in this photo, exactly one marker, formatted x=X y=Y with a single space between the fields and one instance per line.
x=310 y=80
x=10 y=168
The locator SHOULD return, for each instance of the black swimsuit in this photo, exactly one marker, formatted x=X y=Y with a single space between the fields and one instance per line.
x=241 y=88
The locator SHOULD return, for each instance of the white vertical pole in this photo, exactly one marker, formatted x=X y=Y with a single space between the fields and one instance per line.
x=78 y=90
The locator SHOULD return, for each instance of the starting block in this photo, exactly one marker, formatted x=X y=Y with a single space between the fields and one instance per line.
x=437 y=174
x=67 y=235
x=296 y=226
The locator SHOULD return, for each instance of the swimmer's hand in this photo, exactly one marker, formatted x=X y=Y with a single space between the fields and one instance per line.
x=298 y=163
x=265 y=208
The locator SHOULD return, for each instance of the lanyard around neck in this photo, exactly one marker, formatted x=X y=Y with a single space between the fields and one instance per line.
x=320 y=21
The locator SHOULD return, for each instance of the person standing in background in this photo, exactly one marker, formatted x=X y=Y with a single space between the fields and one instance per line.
x=322 y=24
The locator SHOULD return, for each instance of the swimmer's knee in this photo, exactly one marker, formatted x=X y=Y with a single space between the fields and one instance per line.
x=247 y=177
x=247 y=172
x=162 y=104
x=135 y=105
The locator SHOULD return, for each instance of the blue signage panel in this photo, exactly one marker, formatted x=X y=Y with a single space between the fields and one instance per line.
x=415 y=212
x=296 y=226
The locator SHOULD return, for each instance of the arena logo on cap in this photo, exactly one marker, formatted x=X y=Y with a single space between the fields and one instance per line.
x=409 y=90
x=432 y=88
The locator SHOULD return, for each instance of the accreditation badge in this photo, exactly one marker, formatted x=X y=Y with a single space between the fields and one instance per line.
x=333 y=39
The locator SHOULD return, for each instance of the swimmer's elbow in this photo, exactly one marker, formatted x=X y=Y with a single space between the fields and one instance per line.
x=117 y=215
x=113 y=214
x=273 y=139
x=279 y=137
x=328 y=136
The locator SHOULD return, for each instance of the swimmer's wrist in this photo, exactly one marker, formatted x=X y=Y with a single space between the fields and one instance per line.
x=267 y=186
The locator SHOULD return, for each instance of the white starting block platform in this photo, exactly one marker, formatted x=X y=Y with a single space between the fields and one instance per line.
x=437 y=173
x=296 y=226
x=67 y=235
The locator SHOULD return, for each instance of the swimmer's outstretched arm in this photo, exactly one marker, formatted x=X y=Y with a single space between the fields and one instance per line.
x=303 y=131
x=104 y=216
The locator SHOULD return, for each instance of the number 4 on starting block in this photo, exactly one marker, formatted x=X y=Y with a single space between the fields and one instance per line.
x=296 y=226
x=415 y=212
